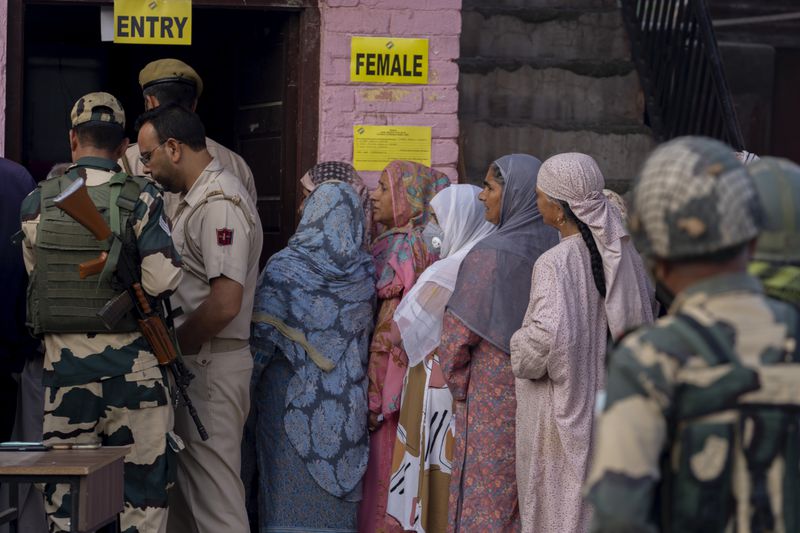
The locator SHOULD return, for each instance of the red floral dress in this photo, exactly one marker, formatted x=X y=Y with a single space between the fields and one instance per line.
x=483 y=486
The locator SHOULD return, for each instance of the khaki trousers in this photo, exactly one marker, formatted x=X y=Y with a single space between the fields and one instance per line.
x=209 y=494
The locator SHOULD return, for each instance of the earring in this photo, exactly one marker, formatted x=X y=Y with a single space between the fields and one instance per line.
x=562 y=222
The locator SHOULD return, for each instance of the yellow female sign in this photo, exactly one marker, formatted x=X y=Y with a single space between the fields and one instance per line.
x=389 y=60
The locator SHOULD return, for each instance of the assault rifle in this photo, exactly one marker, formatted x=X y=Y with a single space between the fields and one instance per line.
x=75 y=202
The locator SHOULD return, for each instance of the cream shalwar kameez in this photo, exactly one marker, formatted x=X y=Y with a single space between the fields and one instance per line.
x=560 y=354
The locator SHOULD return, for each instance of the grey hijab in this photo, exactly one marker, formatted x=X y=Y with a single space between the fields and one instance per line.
x=494 y=282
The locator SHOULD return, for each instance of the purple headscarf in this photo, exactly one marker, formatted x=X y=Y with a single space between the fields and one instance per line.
x=494 y=283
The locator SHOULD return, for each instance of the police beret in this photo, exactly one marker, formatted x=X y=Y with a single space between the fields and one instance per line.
x=97 y=107
x=167 y=71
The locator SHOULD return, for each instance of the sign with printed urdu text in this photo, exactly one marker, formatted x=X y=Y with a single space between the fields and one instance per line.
x=153 y=21
x=374 y=147
x=388 y=60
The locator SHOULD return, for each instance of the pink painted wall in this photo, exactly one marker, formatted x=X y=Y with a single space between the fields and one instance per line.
x=344 y=104
x=3 y=62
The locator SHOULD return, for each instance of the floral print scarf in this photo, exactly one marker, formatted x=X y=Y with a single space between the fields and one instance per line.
x=314 y=305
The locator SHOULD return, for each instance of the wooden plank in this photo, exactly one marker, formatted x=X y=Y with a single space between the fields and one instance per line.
x=101 y=497
x=59 y=462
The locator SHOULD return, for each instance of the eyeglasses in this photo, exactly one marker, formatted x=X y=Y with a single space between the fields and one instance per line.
x=146 y=156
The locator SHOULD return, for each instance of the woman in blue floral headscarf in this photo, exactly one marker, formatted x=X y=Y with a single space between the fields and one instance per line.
x=311 y=327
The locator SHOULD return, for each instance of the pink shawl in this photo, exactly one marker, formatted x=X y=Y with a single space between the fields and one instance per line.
x=400 y=256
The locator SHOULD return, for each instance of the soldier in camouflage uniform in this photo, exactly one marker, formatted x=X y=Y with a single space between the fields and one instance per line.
x=700 y=428
x=777 y=258
x=101 y=386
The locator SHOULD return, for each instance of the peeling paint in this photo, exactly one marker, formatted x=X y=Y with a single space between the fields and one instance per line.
x=384 y=95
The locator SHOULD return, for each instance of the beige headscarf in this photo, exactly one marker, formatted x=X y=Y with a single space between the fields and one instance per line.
x=576 y=179
x=618 y=202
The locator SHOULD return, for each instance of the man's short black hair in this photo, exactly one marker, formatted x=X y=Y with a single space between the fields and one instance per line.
x=172 y=93
x=101 y=135
x=175 y=122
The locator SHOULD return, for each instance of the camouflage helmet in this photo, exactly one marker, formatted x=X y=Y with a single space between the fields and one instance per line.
x=778 y=185
x=693 y=198
x=97 y=107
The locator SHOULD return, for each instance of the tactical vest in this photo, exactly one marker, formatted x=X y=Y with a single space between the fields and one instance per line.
x=752 y=409
x=59 y=301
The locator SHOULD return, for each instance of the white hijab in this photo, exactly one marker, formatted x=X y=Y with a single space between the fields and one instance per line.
x=420 y=313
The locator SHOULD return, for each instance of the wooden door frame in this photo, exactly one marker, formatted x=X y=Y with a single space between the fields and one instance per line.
x=301 y=113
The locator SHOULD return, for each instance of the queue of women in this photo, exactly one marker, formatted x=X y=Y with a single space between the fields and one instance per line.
x=428 y=357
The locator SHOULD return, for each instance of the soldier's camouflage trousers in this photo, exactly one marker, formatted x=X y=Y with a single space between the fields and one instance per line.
x=130 y=410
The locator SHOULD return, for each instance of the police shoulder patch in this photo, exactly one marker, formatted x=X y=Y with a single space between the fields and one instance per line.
x=224 y=236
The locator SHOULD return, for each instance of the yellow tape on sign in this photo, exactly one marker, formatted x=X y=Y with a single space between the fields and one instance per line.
x=153 y=21
x=374 y=147
x=388 y=60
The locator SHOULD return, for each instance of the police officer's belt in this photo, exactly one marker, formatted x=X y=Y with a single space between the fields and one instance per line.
x=219 y=345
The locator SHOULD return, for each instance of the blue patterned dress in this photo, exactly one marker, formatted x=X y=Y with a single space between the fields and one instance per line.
x=312 y=322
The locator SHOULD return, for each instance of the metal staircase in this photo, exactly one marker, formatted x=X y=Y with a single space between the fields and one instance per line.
x=680 y=69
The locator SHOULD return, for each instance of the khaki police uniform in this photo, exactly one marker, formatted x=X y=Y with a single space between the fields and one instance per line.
x=230 y=161
x=170 y=70
x=217 y=232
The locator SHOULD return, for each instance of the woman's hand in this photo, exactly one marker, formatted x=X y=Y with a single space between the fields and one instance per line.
x=375 y=421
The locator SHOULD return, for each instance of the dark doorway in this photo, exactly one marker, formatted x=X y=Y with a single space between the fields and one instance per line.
x=250 y=62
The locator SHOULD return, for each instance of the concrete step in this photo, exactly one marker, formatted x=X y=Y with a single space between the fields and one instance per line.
x=561 y=35
x=551 y=95
x=619 y=155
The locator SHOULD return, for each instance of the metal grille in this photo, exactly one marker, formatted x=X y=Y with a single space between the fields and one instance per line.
x=679 y=64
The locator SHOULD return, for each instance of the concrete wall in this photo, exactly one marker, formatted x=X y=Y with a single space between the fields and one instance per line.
x=550 y=76
x=344 y=104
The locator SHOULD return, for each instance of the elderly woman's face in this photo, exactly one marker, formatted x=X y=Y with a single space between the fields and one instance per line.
x=492 y=198
x=551 y=211
x=381 y=197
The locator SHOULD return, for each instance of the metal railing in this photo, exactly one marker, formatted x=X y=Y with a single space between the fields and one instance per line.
x=679 y=65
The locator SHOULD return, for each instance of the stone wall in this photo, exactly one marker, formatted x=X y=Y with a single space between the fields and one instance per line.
x=344 y=104
x=550 y=76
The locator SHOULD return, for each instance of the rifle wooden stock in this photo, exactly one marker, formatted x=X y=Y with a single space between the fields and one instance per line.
x=75 y=202
x=95 y=266
x=155 y=331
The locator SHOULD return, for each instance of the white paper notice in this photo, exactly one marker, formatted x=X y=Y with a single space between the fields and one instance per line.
x=106 y=23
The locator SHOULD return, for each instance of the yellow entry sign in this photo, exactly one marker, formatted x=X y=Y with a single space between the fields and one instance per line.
x=374 y=147
x=153 y=21
x=389 y=60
